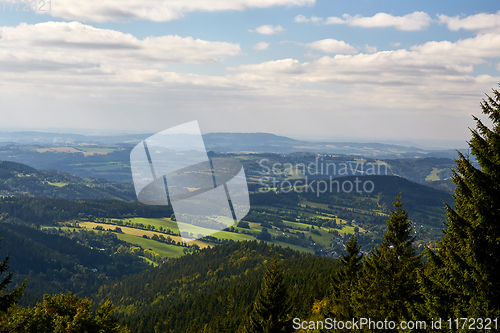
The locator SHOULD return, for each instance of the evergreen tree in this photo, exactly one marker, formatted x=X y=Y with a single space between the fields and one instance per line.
x=8 y=299
x=344 y=282
x=271 y=310
x=463 y=277
x=387 y=286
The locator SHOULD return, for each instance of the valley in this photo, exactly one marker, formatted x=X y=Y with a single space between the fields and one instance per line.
x=90 y=235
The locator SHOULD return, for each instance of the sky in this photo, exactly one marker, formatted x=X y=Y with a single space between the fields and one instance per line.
x=308 y=69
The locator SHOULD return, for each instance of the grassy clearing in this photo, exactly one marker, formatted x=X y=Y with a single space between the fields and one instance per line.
x=357 y=210
x=59 y=184
x=348 y=230
x=149 y=261
x=254 y=227
x=434 y=175
x=292 y=246
x=296 y=173
x=139 y=232
x=165 y=223
x=296 y=225
x=232 y=235
x=135 y=236
x=325 y=239
x=166 y=250
x=101 y=166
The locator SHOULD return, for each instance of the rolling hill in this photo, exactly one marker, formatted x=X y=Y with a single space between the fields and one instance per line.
x=23 y=181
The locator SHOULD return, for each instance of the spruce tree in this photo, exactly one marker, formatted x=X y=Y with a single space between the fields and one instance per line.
x=388 y=285
x=8 y=299
x=344 y=284
x=271 y=311
x=463 y=277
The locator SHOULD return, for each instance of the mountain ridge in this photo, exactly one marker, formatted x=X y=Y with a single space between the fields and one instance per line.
x=259 y=142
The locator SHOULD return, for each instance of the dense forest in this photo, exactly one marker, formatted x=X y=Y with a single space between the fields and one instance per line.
x=48 y=211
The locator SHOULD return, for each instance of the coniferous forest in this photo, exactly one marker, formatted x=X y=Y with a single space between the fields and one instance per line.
x=257 y=285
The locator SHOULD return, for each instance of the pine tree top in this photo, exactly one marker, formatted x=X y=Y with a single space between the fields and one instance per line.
x=399 y=231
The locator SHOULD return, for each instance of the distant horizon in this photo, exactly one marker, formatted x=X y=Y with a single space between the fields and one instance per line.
x=415 y=142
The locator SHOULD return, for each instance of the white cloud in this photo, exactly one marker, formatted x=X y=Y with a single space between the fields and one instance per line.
x=268 y=29
x=396 y=44
x=301 y=19
x=78 y=47
x=409 y=22
x=261 y=46
x=72 y=72
x=330 y=45
x=482 y=22
x=433 y=65
x=362 y=92
x=470 y=50
x=370 y=49
x=154 y=10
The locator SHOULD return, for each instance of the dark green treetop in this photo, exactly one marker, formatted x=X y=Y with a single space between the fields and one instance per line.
x=387 y=286
x=463 y=278
x=271 y=311
x=8 y=299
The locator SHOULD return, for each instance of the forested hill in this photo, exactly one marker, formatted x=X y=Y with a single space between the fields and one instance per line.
x=425 y=204
x=21 y=180
x=48 y=211
x=54 y=263
x=213 y=289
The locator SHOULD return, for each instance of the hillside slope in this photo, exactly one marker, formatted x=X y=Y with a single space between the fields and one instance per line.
x=214 y=289
x=23 y=181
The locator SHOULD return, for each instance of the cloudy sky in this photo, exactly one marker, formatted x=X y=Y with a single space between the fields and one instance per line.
x=365 y=69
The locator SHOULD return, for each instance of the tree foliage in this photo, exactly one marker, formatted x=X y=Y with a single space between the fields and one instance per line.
x=387 y=286
x=345 y=282
x=60 y=314
x=463 y=278
x=271 y=311
x=8 y=299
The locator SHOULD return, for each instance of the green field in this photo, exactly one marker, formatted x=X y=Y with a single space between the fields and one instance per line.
x=296 y=225
x=325 y=239
x=357 y=210
x=60 y=184
x=166 y=250
x=349 y=230
x=172 y=225
x=254 y=227
x=101 y=166
x=148 y=261
x=296 y=173
x=434 y=175
x=157 y=223
x=232 y=235
x=292 y=246
x=134 y=236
